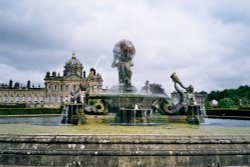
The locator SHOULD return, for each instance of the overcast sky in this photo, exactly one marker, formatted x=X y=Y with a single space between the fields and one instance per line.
x=207 y=43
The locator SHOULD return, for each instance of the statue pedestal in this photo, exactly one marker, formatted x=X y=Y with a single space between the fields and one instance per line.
x=134 y=116
x=193 y=114
x=73 y=114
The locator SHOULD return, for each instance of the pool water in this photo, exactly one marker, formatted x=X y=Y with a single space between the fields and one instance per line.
x=56 y=121
x=103 y=125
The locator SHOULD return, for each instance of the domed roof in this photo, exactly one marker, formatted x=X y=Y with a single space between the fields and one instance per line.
x=73 y=61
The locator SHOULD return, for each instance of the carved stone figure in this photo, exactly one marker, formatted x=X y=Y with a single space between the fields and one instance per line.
x=75 y=97
x=146 y=88
x=123 y=53
x=186 y=99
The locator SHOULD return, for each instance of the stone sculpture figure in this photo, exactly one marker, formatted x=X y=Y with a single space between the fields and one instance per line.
x=185 y=98
x=75 y=97
x=123 y=53
x=146 y=88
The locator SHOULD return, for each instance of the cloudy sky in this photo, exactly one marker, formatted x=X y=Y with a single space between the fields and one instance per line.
x=207 y=43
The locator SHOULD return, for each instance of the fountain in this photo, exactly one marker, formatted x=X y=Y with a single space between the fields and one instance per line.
x=134 y=108
x=130 y=107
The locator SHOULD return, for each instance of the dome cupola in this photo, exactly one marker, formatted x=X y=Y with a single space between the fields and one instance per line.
x=73 y=66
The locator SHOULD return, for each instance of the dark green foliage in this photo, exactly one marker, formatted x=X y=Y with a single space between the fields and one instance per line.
x=26 y=111
x=236 y=95
x=13 y=106
x=156 y=89
x=226 y=103
x=208 y=104
x=228 y=112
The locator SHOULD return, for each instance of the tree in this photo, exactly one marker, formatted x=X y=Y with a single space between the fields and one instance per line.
x=156 y=89
x=242 y=93
x=208 y=105
x=213 y=95
x=226 y=103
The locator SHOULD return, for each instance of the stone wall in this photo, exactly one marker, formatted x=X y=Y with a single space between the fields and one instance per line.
x=124 y=150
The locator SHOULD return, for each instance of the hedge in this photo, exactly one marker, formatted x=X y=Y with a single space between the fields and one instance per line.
x=13 y=106
x=27 y=111
x=229 y=112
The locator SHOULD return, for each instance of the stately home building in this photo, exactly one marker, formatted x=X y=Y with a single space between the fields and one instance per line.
x=58 y=89
x=200 y=98
x=31 y=97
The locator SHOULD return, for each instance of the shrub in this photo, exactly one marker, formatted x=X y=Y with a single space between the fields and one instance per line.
x=226 y=103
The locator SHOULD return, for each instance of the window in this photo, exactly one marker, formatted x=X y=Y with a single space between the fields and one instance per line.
x=29 y=99
x=74 y=87
x=17 y=99
x=61 y=99
x=67 y=87
x=35 y=99
x=48 y=99
x=54 y=99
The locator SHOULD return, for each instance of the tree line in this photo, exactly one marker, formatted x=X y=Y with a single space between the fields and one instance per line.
x=231 y=98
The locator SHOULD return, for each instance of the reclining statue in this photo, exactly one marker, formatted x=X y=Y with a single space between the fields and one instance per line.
x=185 y=96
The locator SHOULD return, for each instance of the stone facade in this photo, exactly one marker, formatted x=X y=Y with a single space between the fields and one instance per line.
x=200 y=98
x=32 y=97
x=57 y=90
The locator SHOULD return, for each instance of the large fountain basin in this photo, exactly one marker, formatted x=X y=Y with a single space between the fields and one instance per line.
x=45 y=142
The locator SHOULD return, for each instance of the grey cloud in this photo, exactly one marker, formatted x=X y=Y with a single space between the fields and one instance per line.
x=198 y=40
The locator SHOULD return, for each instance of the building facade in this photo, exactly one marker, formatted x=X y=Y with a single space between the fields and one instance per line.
x=58 y=89
x=31 y=97
x=200 y=98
